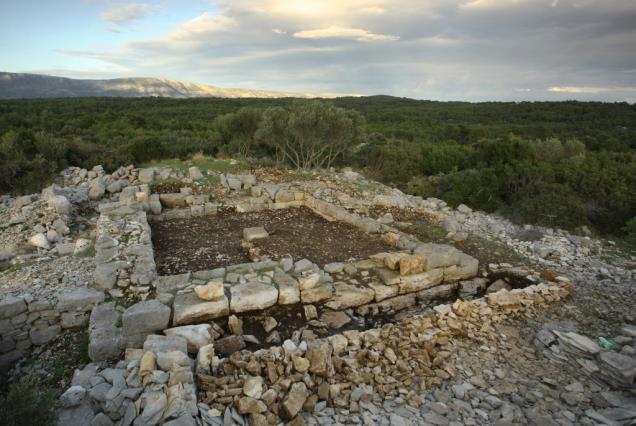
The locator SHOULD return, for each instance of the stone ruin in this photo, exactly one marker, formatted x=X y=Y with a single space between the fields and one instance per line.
x=172 y=350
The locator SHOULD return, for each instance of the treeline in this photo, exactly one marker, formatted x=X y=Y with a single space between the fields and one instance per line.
x=555 y=163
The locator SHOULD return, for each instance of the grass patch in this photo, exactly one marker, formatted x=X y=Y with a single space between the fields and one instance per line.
x=28 y=403
x=203 y=162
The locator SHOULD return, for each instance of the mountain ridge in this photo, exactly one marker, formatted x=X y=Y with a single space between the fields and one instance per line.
x=30 y=86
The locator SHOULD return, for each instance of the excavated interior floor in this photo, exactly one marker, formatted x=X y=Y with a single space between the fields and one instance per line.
x=208 y=242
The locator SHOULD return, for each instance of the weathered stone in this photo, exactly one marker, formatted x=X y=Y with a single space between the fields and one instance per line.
x=79 y=299
x=73 y=319
x=173 y=200
x=11 y=306
x=60 y=204
x=317 y=294
x=97 y=189
x=288 y=289
x=195 y=173
x=295 y=398
x=413 y=264
x=170 y=283
x=308 y=281
x=155 y=343
x=147 y=175
x=472 y=287
x=144 y=318
x=213 y=290
x=252 y=296
x=105 y=275
x=255 y=233
x=72 y=397
x=500 y=284
x=438 y=255
x=387 y=276
x=40 y=336
x=411 y=283
x=235 y=324
x=335 y=319
x=80 y=415
x=228 y=345
x=438 y=292
x=253 y=387
x=383 y=291
x=196 y=335
x=347 y=296
x=106 y=341
x=188 y=309
x=39 y=240
x=467 y=268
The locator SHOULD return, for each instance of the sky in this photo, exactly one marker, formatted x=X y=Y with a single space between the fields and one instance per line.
x=471 y=50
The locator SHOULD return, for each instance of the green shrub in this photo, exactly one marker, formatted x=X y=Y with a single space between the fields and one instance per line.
x=630 y=232
x=27 y=403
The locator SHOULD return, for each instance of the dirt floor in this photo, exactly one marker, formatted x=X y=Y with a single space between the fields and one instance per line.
x=195 y=244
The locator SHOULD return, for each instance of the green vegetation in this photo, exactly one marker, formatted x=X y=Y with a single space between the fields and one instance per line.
x=27 y=403
x=563 y=164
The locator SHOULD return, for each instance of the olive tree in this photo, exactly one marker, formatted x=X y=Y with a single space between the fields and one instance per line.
x=236 y=130
x=310 y=134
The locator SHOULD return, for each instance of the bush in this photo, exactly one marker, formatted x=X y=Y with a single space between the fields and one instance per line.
x=27 y=403
x=310 y=134
x=630 y=232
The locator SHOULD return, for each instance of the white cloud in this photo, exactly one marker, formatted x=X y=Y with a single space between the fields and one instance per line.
x=588 y=89
x=473 y=50
x=123 y=13
x=339 y=32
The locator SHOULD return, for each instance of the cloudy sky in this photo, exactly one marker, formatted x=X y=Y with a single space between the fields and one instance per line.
x=428 y=49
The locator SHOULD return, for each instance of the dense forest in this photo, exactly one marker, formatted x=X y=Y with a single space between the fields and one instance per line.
x=563 y=164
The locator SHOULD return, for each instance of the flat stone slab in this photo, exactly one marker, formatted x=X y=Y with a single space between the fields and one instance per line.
x=438 y=255
x=79 y=299
x=252 y=296
x=255 y=233
x=188 y=309
x=317 y=294
x=347 y=296
x=411 y=283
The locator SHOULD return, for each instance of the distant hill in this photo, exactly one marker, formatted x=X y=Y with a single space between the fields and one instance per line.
x=20 y=85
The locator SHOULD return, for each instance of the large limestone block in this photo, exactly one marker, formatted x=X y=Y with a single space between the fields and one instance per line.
x=144 y=318
x=438 y=255
x=213 y=290
x=255 y=233
x=252 y=296
x=348 y=296
x=189 y=309
x=198 y=335
x=173 y=201
x=60 y=204
x=147 y=175
x=467 y=268
x=106 y=340
x=443 y=291
x=411 y=283
x=317 y=294
x=288 y=289
x=383 y=291
x=81 y=299
x=11 y=306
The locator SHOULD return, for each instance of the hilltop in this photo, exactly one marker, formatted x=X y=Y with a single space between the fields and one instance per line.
x=27 y=86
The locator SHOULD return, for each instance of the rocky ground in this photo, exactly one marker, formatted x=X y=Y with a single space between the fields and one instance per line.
x=527 y=370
